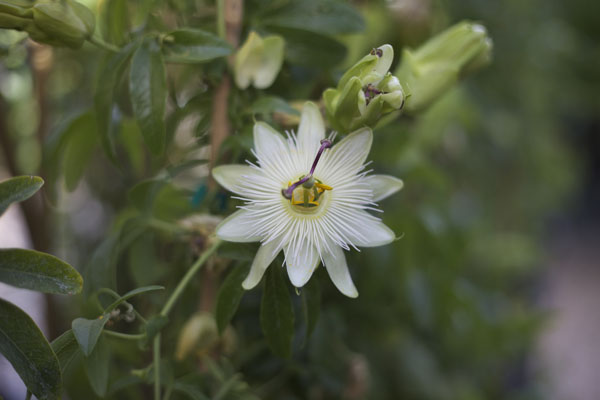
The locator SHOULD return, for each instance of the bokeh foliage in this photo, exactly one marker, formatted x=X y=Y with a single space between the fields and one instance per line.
x=444 y=313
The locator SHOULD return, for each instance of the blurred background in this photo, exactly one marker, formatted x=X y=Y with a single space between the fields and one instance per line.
x=492 y=292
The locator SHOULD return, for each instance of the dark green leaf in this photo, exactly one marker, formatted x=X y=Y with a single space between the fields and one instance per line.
x=311 y=304
x=108 y=79
x=87 y=332
x=143 y=194
x=191 y=391
x=26 y=348
x=194 y=46
x=271 y=104
x=230 y=295
x=18 y=189
x=277 y=313
x=66 y=349
x=312 y=49
x=100 y=271
x=97 y=367
x=147 y=87
x=34 y=270
x=130 y=294
x=155 y=325
x=144 y=266
x=79 y=147
x=238 y=251
x=328 y=17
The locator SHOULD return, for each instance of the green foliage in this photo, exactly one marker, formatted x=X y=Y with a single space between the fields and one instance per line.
x=230 y=295
x=33 y=270
x=88 y=331
x=97 y=367
x=18 y=189
x=26 y=348
x=66 y=349
x=193 y=46
x=277 y=314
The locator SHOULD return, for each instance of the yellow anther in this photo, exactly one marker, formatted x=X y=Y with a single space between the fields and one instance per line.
x=322 y=186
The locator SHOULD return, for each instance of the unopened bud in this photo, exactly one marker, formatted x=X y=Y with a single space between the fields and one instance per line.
x=63 y=22
x=15 y=14
x=365 y=92
x=429 y=71
x=258 y=61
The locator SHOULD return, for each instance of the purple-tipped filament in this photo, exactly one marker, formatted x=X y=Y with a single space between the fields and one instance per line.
x=308 y=181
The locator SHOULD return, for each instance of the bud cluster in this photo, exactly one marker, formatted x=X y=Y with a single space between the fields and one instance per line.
x=55 y=22
x=365 y=92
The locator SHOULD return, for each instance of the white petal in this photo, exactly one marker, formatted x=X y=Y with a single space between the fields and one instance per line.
x=236 y=227
x=346 y=157
x=268 y=143
x=373 y=232
x=272 y=59
x=335 y=263
x=310 y=131
x=385 y=62
x=264 y=257
x=383 y=185
x=229 y=176
x=301 y=263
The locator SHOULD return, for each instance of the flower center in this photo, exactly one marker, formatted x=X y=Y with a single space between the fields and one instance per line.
x=307 y=190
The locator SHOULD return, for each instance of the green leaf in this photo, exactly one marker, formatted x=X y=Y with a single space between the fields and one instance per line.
x=26 y=348
x=328 y=17
x=155 y=325
x=34 y=270
x=79 y=148
x=271 y=104
x=100 y=271
x=191 y=391
x=230 y=295
x=66 y=349
x=144 y=266
x=194 y=46
x=277 y=313
x=17 y=189
x=147 y=87
x=87 y=332
x=97 y=367
x=109 y=77
x=238 y=251
x=130 y=294
x=311 y=49
x=311 y=304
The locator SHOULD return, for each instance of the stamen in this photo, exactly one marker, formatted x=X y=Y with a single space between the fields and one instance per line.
x=289 y=191
x=377 y=52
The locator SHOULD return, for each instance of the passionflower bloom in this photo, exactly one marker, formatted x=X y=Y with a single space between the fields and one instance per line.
x=307 y=197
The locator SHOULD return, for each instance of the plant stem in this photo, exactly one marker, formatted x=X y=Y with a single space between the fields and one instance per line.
x=126 y=336
x=221 y=18
x=188 y=277
x=103 y=45
x=169 y=305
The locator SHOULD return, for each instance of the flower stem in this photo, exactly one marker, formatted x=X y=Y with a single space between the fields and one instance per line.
x=156 y=363
x=125 y=336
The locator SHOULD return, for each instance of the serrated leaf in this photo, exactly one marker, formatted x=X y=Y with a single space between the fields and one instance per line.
x=87 y=332
x=110 y=74
x=277 y=313
x=230 y=295
x=328 y=17
x=66 y=349
x=148 y=91
x=17 y=189
x=130 y=294
x=82 y=140
x=194 y=46
x=38 y=271
x=26 y=348
x=97 y=367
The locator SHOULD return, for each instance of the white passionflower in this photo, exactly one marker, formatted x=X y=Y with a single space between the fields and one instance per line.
x=307 y=198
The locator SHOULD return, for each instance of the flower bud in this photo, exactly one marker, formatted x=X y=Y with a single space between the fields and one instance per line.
x=365 y=92
x=62 y=22
x=15 y=14
x=258 y=61
x=429 y=71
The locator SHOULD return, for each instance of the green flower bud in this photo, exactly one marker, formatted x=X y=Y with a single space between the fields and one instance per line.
x=15 y=14
x=258 y=61
x=429 y=71
x=62 y=22
x=365 y=92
